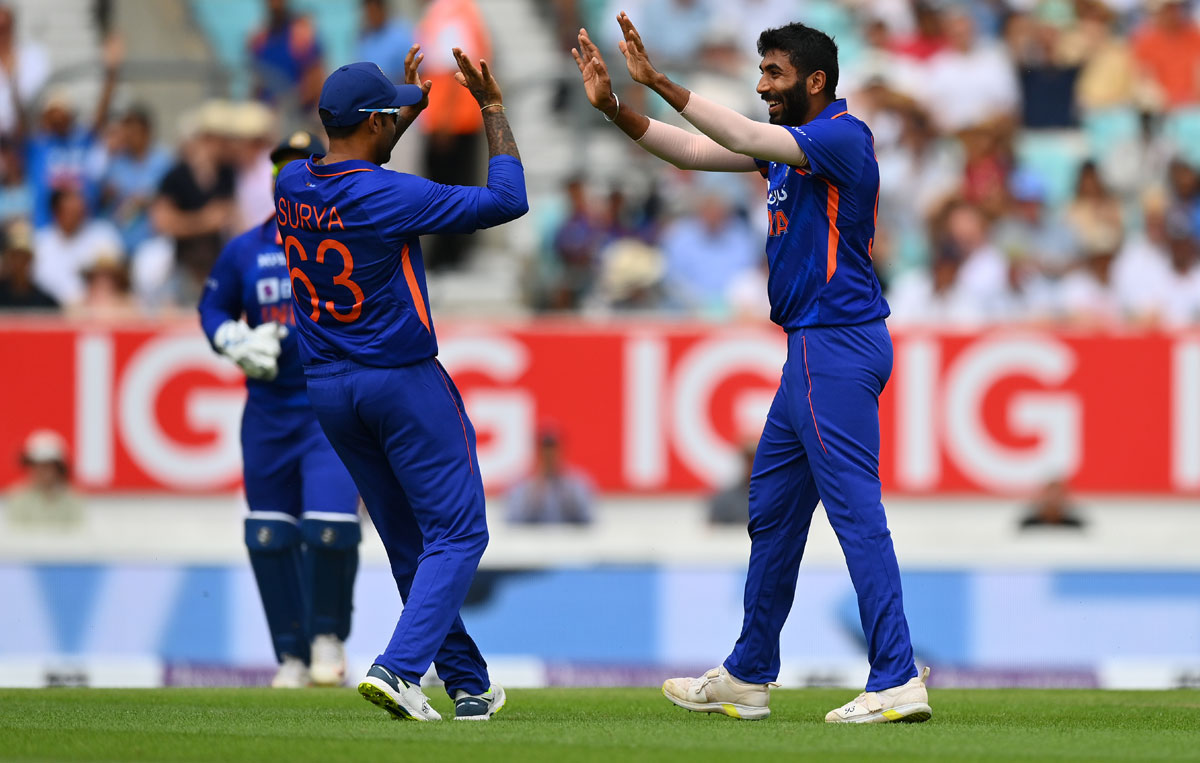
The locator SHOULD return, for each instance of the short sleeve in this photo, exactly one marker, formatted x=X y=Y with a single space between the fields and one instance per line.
x=764 y=167
x=835 y=148
x=413 y=206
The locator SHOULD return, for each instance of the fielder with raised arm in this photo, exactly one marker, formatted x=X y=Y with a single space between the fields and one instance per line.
x=351 y=231
x=821 y=438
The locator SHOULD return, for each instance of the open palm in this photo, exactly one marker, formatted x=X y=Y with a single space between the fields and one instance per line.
x=636 y=58
x=596 y=82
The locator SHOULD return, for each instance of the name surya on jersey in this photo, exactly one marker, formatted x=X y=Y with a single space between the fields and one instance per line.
x=289 y=214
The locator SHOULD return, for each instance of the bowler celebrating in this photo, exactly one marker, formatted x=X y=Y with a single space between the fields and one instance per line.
x=821 y=438
x=351 y=233
x=302 y=530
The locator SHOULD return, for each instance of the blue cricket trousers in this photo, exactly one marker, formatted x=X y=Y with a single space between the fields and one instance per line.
x=821 y=442
x=407 y=442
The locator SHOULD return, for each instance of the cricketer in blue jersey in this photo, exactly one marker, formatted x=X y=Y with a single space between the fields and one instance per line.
x=302 y=530
x=351 y=232
x=821 y=438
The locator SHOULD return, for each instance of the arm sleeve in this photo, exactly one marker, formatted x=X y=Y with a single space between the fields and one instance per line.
x=741 y=134
x=692 y=152
x=222 y=297
x=416 y=206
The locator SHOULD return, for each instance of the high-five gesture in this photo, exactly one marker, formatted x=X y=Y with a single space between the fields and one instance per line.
x=412 y=77
x=596 y=82
x=487 y=94
x=636 y=59
x=479 y=81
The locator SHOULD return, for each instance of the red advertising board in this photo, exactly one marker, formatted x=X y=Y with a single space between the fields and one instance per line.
x=645 y=407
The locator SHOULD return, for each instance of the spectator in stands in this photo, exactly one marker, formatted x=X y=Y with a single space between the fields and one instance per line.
x=1183 y=183
x=45 y=499
x=1086 y=296
x=1046 y=72
x=631 y=277
x=452 y=122
x=706 y=250
x=385 y=40
x=1167 y=47
x=61 y=152
x=1053 y=509
x=286 y=55
x=1108 y=77
x=17 y=288
x=1030 y=232
x=982 y=280
x=931 y=297
x=135 y=169
x=1181 y=306
x=250 y=138
x=929 y=37
x=107 y=297
x=195 y=203
x=576 y=249
x=555 y=493
x=731 y=505
x=970 y=83
x=1141 y=274
x=70 y=244
x=1094 y=207
x=16 y=197
x=24 y=69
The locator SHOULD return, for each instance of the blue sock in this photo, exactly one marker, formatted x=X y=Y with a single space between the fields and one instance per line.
x=330 y=566
x=274 y=546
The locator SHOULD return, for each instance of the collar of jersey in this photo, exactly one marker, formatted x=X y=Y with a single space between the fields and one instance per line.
x=340 y=168
x=832 y=111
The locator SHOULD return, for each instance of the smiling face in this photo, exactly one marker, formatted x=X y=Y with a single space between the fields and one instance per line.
x=787 y=94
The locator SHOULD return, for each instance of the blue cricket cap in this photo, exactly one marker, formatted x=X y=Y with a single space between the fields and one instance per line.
x=359 y=86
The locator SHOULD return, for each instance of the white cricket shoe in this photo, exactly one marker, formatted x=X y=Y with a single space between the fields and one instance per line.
x=292 y=674
x=908 y=703
x=328 y=666
x=719 y=692
x=403 y=700
x=478 y=707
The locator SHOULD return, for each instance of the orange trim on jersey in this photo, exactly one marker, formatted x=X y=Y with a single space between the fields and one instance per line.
x=835 y=236
x=414 y=288
x=839 y=114
x=335 y=174
x=467 y=440
x=808 y=379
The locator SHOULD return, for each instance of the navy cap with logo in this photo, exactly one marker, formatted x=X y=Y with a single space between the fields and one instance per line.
x=352 y=92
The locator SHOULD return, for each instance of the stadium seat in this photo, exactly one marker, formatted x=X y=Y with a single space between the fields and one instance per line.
x=1056 y=157
x=1182 y=128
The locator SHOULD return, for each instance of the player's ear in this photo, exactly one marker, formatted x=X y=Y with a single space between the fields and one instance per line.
x=816 y=82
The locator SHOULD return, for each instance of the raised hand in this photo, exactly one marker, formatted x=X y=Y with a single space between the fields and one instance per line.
x=596 y=82
x=479 y=81
x=636 y=59
x=412 y=77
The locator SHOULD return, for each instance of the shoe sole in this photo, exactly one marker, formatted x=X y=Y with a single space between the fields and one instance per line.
x=501 y=700
x=918 y=712
x=741 y=712
x=382 y=699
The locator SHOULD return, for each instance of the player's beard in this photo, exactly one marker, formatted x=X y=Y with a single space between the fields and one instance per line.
x=793 y=105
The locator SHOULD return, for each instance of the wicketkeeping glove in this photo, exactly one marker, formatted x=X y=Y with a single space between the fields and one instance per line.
x=255 y=350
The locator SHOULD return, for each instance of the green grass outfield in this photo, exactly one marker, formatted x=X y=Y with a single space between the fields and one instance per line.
x=611 y=725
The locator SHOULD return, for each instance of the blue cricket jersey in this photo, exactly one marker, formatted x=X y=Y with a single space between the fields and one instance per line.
x=251 y=278
x=822 y=226
x=350 y=232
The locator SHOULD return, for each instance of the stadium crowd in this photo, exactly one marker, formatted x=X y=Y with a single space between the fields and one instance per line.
x=1038 y=163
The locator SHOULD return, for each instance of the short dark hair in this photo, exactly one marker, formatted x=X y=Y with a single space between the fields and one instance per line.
x=336 y=133
x=808 y=49
x=139 y=113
